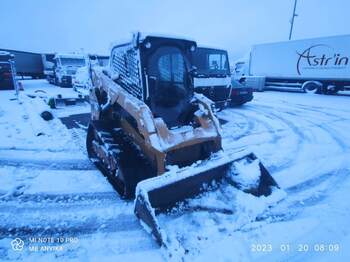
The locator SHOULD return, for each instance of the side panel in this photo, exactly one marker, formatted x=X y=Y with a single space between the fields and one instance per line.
x=125 y=62
x=28 y=64
x=327 y=57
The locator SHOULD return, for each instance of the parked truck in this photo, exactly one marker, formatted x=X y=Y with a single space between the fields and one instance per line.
x=212 y=77
x=7 y=71
x=61 y=71
x=28 y=64
x=82 y=79
x=48 y=64
x=316 y=65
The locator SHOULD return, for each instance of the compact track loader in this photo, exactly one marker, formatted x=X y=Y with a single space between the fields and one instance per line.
x=154 y=138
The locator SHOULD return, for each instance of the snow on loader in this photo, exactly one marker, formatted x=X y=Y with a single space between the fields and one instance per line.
x=154 y=138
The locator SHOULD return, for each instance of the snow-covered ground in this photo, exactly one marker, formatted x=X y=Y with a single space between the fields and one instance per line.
x=50 y=192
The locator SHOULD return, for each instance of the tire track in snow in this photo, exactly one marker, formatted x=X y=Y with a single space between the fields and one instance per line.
x=70 y=198
x=86 y=214
x=46 y=164
x=253 y=122
x=313 y=182
x=334 y=135
x=327 y=128
x=331 y=179
x=298 y=199
x=322 y=110
x=34 y=150
x=300 y=137
x=248 y=127
x=71 y=227
x=79 y=136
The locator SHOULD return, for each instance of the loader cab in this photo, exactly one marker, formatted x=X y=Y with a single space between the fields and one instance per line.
x=169 y=89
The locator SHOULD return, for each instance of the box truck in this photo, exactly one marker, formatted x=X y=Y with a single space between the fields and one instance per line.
x=317 y=65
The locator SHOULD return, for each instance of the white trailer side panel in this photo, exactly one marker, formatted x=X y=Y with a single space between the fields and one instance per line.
x=326 y=57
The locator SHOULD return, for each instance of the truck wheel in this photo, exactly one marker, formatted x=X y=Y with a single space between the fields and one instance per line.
x=312 y=87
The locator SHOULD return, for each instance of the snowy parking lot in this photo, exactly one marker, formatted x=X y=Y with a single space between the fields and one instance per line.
x=52 y=196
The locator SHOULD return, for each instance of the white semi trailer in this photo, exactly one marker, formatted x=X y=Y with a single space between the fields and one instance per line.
x=318 y=65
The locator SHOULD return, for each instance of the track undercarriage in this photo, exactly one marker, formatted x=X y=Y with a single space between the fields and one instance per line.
x=117 y=157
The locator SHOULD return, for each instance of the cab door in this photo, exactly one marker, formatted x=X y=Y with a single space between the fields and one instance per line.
x=169 y=85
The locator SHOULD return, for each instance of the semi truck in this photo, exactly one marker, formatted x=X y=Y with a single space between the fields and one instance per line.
x=315 y=65
x=212 y=77
x=61 y=71
x=48 y=63
x=28 y=64
x=82 y=80
x=7 y=71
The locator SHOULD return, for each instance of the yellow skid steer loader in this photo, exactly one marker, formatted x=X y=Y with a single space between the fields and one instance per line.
x=154 y=138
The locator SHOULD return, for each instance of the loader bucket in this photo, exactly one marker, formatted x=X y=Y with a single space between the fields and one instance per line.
x=161 y=194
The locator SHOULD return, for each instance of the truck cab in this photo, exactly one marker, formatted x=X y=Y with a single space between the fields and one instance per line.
x=7 y=71
x=213 y=78
x=239 y=70
x=66 y=66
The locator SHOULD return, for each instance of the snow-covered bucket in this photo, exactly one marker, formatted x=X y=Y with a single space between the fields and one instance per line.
x=185 y=189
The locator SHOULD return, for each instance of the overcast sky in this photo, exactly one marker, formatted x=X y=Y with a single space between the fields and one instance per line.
x=69 y=25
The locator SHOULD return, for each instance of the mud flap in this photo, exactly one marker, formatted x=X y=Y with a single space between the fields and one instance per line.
x=161 y=194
